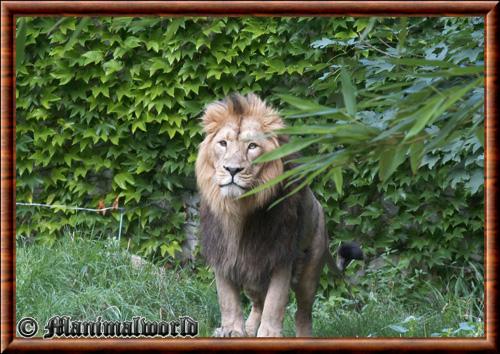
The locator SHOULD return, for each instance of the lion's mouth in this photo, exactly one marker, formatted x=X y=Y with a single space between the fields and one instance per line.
x=232 y=183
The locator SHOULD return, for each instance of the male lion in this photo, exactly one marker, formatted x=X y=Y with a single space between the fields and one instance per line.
x=263 y=251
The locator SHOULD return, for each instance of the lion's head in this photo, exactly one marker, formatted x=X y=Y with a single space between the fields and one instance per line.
x=238 y=130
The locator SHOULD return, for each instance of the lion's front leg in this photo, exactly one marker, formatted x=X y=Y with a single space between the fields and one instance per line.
x=275 y=303
x=230 y=308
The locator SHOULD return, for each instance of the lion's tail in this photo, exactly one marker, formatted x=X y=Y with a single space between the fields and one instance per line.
x=347 y=252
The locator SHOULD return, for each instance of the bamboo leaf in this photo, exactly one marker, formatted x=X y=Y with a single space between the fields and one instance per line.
x=424 y=115
x=356 y=131
x=422 y=62
x=332 y=113
x=479 y=132
x=82 y=22
x=337 y=157
x=453 y=122
x=287 y=149
x=454 y=71
x=302 y=104
x=348 y=92
x=369 y=27
x=416 y=153
x=300 y=186
x=402 y=34
x=455 y=94
x=338 y=179
x=389 y=161
x=276 y=180
x=20 y=42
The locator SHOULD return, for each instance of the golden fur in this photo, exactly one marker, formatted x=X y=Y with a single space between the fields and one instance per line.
x=222 y=114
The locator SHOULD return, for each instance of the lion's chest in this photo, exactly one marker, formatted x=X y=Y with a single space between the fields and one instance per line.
x=248 y=252
x=246 y=261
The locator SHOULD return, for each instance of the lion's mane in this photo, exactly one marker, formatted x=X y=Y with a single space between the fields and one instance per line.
x=242 y=238
x=216 y=116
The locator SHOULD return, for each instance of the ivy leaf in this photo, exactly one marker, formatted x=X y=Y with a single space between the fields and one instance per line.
x=121 y=179
x=94 y=56
x=131 y=42
x=112 y=66
x=139 y=124
x=466 y=327
x=476 y=181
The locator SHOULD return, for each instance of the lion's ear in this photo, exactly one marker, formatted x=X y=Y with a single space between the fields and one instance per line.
x=272 y=121
x=269 y=118
x=214 y=117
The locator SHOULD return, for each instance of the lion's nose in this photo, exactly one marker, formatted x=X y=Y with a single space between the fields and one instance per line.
x=233 y=170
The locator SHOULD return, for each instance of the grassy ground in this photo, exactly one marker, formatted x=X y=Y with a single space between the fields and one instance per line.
x=88 y=278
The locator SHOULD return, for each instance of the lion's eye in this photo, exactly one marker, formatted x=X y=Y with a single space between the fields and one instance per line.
x=252 y=146
x=223 y=143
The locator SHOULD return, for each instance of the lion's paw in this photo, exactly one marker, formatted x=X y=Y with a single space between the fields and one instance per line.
x=251 y=329
x=268 y=331
x=228 y=332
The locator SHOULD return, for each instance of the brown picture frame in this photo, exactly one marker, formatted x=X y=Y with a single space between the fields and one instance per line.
x=11 y=9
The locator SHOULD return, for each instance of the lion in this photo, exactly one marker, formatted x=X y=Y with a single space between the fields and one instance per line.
x=263 y=251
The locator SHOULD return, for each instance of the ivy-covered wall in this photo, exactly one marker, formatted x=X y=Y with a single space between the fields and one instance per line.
x=109 y=107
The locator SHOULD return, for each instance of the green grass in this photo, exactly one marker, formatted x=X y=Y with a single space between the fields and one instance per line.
x=387 y=318
x=86 y=278
x=89 y=278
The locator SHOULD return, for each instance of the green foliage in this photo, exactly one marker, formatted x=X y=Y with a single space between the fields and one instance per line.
x=390 y=128
x=401 y=135
x=109 y=107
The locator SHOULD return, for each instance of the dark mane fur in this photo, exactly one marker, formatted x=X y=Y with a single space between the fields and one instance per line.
x=270 y=238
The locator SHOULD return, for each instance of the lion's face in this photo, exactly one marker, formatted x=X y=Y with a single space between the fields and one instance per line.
x=234 y=148
x=239 y=129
